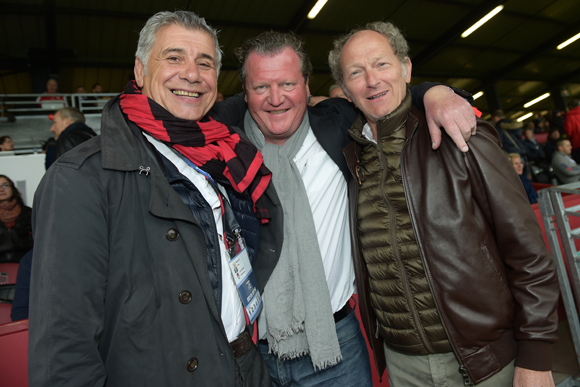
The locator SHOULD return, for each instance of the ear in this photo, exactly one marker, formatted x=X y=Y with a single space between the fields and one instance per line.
x=409 y=67
x=139 y=72
x=245 y=94
x=307 y=80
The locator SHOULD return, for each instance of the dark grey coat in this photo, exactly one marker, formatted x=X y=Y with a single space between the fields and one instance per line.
x=107 y=296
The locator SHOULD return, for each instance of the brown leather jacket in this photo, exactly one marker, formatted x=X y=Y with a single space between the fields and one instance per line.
x=491 y=275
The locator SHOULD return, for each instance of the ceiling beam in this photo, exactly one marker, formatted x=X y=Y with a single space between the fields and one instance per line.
x=454 y=32
x=300 y=18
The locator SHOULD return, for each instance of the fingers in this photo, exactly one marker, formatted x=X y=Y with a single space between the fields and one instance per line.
x=435 y=133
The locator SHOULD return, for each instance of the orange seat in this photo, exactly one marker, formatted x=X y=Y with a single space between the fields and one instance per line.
x=14 y=362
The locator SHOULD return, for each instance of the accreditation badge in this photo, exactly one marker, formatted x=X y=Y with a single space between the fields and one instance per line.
x=245 y=280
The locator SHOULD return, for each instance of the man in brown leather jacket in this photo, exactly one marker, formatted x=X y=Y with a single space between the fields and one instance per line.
x=448 y=255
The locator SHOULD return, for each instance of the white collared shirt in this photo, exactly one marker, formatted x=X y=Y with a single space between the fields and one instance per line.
x=326 y=188
x=232 y=312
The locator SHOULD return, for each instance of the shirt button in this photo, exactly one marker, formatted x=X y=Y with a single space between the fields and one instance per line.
x=192 y=364
x=185 y=297
x=172 y=234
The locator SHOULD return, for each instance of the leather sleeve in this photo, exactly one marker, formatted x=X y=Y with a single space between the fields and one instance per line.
x=531 y=271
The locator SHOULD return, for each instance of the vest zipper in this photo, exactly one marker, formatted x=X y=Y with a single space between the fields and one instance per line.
x=462 y=370
x=404 y=279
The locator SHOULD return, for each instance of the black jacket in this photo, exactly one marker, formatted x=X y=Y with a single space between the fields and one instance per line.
x=120 y=290
x=73 y=135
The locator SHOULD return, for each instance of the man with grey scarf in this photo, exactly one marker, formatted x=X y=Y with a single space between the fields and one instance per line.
x=309 y=333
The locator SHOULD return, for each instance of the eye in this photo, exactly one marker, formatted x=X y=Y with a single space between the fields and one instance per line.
x=173 y=59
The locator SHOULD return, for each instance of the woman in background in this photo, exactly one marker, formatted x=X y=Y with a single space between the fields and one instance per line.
x=15 y=226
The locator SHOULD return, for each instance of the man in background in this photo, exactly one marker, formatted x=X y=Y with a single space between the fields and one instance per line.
x=70 y=130
x=565 y=168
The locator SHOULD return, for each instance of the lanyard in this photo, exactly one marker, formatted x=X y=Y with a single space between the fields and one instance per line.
x=230 y=224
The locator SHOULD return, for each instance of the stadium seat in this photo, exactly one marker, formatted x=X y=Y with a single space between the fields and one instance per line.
x=8 y=272
x=5 y=308
x=14 y=354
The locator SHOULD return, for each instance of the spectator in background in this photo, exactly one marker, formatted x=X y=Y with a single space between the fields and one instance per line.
x=336 y=92
x=15 y=226
x=533 y=148
x=80 y=90
x=550 y=145
x=51 y=88
x=219 y=97
x=97 y=88
x=6 y=144
x=510 y=133
x=69 y=131
x=556 y=120
x=518 y=165
x=565 y=168
x=572 y=127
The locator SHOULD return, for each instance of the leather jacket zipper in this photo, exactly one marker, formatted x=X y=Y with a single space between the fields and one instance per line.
x=462 y=370
x=404 y=279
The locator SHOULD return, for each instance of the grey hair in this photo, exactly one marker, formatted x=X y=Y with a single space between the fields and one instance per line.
x=73 y=113
x=389 y=30
x=185 y=19
x=271 y=43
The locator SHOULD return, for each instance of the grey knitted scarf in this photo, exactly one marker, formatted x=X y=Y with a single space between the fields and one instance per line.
x=297 y=314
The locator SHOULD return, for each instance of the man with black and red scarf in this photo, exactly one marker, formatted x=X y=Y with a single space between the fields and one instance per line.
x=135 y=230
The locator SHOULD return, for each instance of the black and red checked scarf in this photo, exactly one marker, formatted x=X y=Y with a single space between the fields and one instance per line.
x=211 y=146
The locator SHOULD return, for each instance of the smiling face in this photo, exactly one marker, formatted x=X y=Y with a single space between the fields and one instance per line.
x=373 y=76
x=5 y=190
x=276 y=93
x=181 y=73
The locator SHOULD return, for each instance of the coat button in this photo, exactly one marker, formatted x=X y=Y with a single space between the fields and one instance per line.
x=192 y=364
x=172 y=234
x=185 y=297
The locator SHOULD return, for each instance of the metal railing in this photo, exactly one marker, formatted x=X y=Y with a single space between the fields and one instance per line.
x=555 y=219
x=39 y=104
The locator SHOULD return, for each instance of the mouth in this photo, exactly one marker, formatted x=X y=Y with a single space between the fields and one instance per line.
x=378 y=95
x=278 y=111
x=183 y=93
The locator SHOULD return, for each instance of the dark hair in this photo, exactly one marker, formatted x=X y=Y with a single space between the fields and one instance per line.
x=270 y=43
x=560 y=142
x=3 y=138
x=15 y=192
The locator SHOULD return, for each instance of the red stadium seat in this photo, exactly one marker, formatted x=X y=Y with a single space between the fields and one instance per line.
x=5 y=308
x=14 y=354
x=8 y=271
x=541 y=137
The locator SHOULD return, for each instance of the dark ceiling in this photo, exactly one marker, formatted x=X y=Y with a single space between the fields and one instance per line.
x=512 y=58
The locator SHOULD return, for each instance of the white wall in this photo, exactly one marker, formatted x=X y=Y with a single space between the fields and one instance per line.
x=26 y=172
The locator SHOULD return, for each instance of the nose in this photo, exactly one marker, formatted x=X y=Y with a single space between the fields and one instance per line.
x=190 y=72
x=276 y=96
x=371 y=78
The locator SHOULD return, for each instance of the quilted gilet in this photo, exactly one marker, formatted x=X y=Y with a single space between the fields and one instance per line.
x=399 y=290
